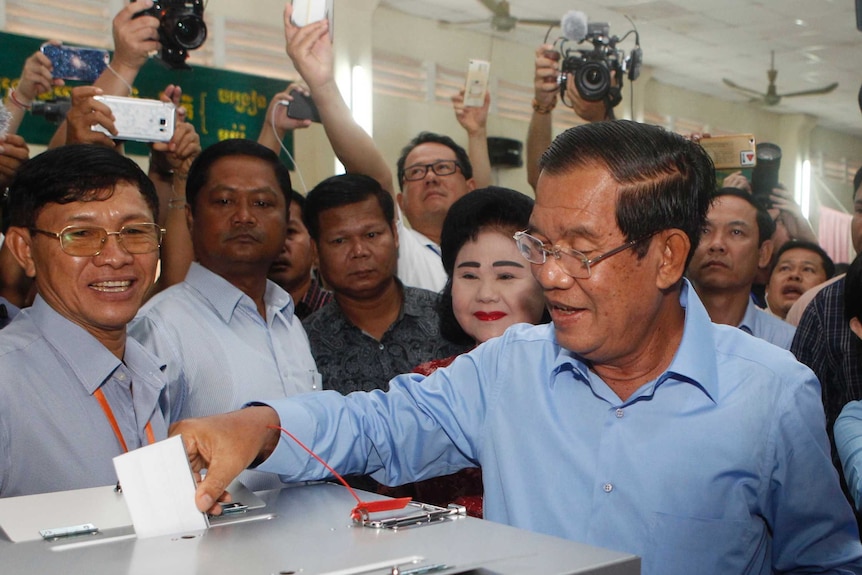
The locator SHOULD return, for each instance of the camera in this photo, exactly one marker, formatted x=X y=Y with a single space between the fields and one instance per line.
x=598 y=73
x=764 y=177
x=182 y=28
x=53 y=110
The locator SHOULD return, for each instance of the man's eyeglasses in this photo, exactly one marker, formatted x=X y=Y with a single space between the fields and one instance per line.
x=440 y=167
x=84 y=241
x=575 y=264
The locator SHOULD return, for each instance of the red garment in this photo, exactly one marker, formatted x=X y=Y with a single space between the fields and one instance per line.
x=463 y=487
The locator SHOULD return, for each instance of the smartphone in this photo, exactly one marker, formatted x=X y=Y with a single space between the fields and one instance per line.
x=76 y=62
x=138 y=119
x=302 y=107
x=476 y=87
x=734 y=152
x=308 y=11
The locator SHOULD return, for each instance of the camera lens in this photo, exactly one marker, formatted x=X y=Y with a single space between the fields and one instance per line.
x=189 y=32
x=593 y=81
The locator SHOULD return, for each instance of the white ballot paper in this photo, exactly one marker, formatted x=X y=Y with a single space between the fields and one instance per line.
x=159 y=489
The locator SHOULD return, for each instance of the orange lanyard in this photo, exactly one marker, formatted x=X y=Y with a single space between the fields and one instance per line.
x=109 y=413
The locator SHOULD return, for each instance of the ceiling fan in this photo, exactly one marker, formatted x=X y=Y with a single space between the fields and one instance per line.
x=502 y=19
x=772 y=97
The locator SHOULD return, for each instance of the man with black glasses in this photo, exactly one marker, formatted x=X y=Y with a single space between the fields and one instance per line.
x=630 y=422
x=76 y=390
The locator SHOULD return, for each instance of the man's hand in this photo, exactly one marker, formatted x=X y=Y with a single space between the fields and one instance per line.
x=786 y=211
x=225 y=445
x=473 y=120
x=134 y=38
x=178 y=154
x=277 y=113
x=310 y=50
x=587 y=110
x=545 y=79
x=86 y=112
x=13 y=153
x=738 y=181
x=36 y=77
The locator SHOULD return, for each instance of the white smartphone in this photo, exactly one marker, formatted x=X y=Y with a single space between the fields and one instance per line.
x=307 y=11
x=478 y=72
x=138 y=119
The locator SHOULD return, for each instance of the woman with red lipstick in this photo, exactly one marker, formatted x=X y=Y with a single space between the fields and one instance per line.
x=490 y=288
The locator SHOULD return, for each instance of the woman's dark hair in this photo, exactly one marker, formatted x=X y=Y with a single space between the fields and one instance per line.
x=492 y=208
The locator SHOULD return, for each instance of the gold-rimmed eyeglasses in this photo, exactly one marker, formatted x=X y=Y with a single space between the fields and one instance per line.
x=84 y=241
x=575 y=264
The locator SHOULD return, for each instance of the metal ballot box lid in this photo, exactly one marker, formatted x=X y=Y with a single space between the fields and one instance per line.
x=312 y=533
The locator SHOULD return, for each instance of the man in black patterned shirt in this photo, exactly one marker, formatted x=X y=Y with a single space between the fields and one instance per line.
x=376 y=328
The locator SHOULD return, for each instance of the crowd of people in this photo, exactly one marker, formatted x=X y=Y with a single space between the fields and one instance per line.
x=607 y=363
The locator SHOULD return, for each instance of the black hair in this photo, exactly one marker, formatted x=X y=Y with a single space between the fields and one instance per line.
x=853 y=290
x=828 y=264
x=299 y=200
x=765 y=223
x=342 y=190
x=200 y=169
x=74 y=173
x=461 y=156
x=491 y=208
x=665 y=181
x=857 y=181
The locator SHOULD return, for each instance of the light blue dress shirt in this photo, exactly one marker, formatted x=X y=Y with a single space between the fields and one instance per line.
x=720 y=465
x=53 y=433
x=767 y=326
x=218 y=345
x=848 y=441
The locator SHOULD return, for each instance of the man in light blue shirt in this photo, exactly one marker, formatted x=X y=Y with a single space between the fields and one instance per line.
x=734 y=246
x=76 y=392
x=631 y=422
x=227 y=332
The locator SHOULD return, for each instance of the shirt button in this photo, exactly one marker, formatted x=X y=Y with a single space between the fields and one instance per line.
x=608 y=487
x=381 y=347
x=121 y=376
x=619 y=413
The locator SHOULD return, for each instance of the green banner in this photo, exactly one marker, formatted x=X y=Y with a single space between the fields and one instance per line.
x=220 y=104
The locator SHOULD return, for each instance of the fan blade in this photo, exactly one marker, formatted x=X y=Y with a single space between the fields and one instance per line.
x=490 y=5
x=538 y=22
x=814 y=92
x=448 y=23
x=743 y=89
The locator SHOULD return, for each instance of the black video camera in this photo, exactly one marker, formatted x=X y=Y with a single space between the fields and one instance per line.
x=595 y=70
x=181 y=29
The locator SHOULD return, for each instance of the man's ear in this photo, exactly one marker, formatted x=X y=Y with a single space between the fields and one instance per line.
x=471 y=185
x=856 y=327
x=394 y=229
x=400 y=199
x=674 y=245
x=19 y=242
x=765 y=255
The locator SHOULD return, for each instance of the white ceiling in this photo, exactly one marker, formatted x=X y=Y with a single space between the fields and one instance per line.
x=695 y=43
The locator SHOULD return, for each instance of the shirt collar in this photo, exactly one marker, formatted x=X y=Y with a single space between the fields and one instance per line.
x=226 y=297
x=91 y=361
x=694 y=361
x=750 y=318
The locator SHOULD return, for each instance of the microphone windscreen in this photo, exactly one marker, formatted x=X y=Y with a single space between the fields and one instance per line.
x=574 y=25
